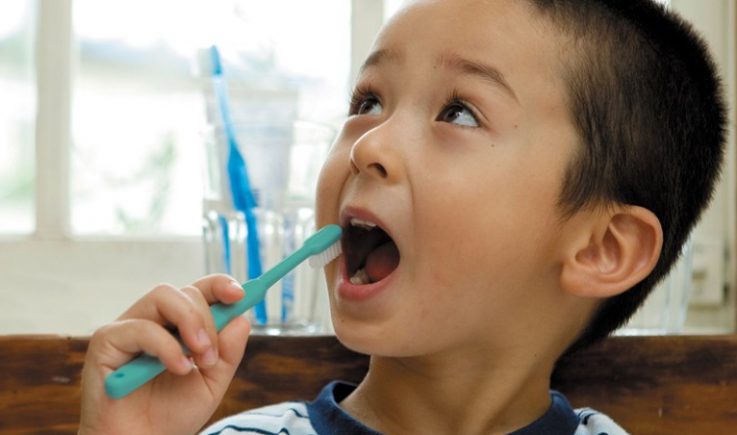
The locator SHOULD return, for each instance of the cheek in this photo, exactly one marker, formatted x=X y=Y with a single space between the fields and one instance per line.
x=496 y=234
x=329 y=184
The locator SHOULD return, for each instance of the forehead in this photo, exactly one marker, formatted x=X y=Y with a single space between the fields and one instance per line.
x=507 y=35
x=465 y=12
x=474 y=23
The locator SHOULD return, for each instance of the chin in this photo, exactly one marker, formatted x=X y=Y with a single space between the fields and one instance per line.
x=372 y=338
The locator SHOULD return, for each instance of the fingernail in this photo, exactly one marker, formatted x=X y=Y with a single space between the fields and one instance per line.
x=236 y=285
x=186 y=363
x=202 y=338
x=209 y=358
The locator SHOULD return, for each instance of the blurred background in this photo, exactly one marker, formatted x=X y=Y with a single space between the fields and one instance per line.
x=101 y=144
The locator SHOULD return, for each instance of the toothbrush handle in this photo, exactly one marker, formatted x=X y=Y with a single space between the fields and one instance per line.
x=132 y=375
x=135 y=373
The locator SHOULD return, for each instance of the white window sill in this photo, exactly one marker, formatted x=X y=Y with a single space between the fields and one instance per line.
x=74 y=286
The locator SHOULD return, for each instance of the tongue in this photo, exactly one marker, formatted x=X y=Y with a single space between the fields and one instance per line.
x=382 y=261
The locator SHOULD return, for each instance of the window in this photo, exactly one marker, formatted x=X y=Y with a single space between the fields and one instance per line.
x=138 y=112
x=105 y=199
x=16 y=117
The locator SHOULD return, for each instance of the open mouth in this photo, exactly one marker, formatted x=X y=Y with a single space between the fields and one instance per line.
x=370 y=254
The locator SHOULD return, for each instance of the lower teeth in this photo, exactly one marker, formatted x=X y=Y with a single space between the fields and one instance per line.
x=360 y=277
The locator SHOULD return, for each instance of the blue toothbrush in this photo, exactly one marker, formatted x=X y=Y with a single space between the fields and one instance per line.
x=240 y=186
x=321 y=248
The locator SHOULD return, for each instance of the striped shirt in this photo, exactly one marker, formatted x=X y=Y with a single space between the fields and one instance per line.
x=324 y=416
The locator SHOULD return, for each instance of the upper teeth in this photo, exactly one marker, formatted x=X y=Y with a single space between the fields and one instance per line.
x=362 y=223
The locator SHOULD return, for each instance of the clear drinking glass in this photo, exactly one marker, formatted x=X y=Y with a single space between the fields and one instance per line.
x=291 y=306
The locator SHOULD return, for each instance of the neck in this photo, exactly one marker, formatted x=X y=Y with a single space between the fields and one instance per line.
x=469 y=392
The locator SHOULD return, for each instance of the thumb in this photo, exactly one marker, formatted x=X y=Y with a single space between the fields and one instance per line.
x=231 y=347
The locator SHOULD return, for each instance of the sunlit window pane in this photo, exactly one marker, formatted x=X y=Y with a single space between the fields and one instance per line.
x=16 y=117
x=139 y=110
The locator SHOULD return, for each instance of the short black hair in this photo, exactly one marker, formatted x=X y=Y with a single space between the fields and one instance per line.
x=647 y=104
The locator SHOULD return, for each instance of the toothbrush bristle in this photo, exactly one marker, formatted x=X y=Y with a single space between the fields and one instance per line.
x=323 y=258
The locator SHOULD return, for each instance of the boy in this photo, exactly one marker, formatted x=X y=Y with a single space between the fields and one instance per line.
x=514 y=177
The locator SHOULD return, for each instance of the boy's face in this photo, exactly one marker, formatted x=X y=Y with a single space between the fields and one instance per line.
x=456 y=146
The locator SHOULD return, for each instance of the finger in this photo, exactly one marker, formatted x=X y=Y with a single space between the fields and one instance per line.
x=220 y=288
x=167 y=305
x=146 y=306
x=232 y=339
x=208 y=356
x=118 y=342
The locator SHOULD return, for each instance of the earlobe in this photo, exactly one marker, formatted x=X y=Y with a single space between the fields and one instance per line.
x=620 y=250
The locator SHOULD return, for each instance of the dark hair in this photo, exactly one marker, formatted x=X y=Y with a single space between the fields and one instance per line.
x=647 y=103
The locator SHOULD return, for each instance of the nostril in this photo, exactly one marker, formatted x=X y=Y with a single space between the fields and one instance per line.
x=379 y=169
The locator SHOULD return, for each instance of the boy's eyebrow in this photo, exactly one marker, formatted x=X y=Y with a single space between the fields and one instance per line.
x=380 y=56
x=486 y=72
x=451 y=61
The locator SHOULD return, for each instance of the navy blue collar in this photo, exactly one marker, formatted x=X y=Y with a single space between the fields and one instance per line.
x=328 y=418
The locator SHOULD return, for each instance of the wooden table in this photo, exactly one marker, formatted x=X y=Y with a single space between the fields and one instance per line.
x=650 y=385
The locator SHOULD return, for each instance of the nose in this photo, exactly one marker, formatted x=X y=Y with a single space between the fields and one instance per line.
x=376 y=154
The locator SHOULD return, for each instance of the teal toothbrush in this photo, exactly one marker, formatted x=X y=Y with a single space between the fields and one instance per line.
x=322 y=247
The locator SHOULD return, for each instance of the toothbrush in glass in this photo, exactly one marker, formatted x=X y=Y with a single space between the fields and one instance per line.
x=240 y=185
x=321 y=248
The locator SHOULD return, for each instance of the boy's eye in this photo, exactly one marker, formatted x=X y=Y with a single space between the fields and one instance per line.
x=457 y=113
x=370 y=106
x=365 y=103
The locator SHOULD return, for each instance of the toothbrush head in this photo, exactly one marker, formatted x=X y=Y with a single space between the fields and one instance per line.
x=324 y=245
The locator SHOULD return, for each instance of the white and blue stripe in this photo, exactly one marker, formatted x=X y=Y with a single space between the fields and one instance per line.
x=323 y=416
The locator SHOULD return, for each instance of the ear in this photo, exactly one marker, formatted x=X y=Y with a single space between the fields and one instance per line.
x=615 y=251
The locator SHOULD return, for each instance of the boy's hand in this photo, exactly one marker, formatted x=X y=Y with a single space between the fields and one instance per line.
x=182 y=399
